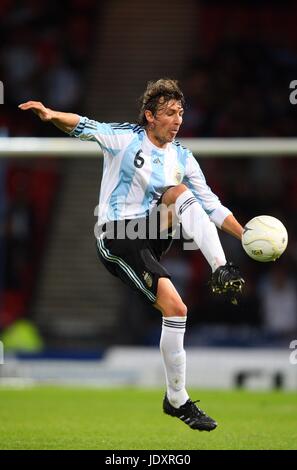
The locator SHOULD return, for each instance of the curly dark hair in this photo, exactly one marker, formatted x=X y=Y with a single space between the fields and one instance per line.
x=165 y=88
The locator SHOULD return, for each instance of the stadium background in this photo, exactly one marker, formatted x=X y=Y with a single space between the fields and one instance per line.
x=235 y=61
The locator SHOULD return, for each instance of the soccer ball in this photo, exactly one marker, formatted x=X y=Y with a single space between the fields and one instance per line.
x=264 y=238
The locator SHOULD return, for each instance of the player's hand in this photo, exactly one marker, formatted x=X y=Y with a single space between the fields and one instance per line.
x=45 y=114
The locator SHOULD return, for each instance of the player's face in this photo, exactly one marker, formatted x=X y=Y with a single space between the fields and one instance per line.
x=165 y=124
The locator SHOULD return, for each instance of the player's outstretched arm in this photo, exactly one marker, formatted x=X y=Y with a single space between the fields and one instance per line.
x=232 y=226
x=64 y=121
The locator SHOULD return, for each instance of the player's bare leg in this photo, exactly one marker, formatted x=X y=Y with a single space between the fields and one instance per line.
x=168 y=300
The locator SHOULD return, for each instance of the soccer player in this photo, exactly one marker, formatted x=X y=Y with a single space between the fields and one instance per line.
x=147 y=172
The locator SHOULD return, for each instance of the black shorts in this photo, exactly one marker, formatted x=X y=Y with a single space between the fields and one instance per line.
x=136 y=262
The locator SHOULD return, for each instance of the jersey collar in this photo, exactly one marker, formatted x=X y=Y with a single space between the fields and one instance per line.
x=149 y=144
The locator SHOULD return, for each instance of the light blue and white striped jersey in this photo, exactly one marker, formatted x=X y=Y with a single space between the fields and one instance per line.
x=136 y=172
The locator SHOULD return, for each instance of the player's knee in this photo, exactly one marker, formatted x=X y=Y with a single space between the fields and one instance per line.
x=172 y=194
x=175 y=309
x=181 y=310
x=180 y=188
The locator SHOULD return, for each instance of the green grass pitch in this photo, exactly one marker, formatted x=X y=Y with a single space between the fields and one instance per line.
x=117 y=419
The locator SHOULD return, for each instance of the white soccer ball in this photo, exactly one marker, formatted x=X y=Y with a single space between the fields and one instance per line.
x=265 y=238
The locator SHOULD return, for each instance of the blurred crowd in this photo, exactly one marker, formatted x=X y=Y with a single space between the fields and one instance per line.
x=45 y=47
x=244 y=61
x=241 y=90
x=44 y=51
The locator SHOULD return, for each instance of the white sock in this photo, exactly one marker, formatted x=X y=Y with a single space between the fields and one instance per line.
x=198 y=226
x=174 y=359
x=211 y=245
